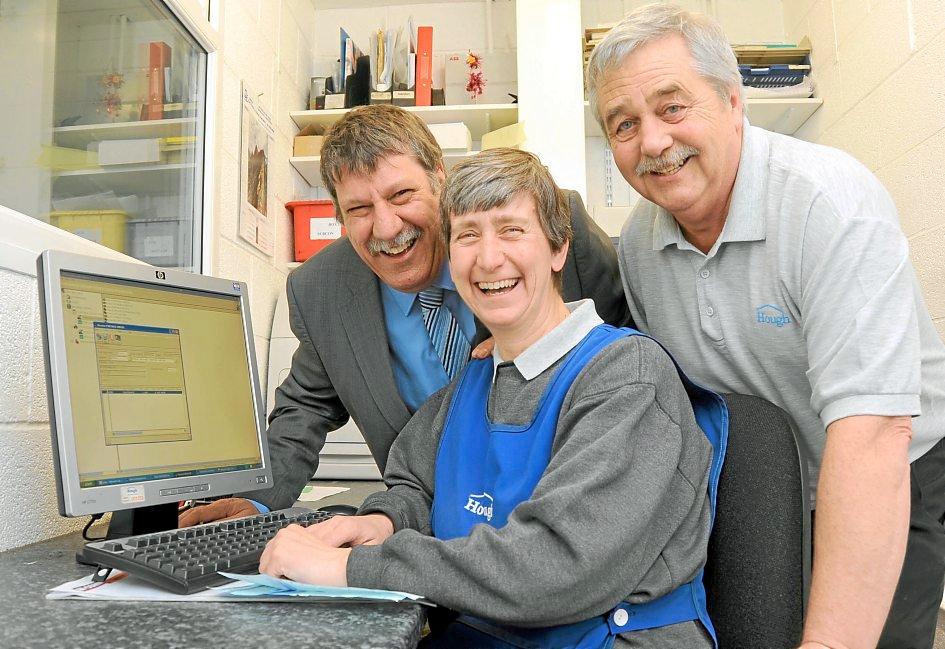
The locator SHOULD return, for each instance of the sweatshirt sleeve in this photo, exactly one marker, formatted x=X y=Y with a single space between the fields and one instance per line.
x=409 y=471
x=620 y=513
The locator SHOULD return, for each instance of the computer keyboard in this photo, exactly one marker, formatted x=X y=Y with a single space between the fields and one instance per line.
x=187 y=560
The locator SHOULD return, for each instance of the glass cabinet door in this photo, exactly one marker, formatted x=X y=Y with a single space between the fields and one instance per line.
x=102 y=129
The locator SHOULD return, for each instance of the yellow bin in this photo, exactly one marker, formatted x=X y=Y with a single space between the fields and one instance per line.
x=106 y=227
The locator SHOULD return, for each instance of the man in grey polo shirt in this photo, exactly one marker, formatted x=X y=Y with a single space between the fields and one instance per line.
x=774 y=267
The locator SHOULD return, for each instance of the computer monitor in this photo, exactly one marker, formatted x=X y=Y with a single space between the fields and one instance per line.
x=153 y=391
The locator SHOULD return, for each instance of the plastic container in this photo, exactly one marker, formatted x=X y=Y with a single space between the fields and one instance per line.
x=315 y=226
x=160 y=242
x=107 y=227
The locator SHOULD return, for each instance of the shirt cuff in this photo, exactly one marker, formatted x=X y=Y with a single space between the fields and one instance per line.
x=882 y=405
x=262 y=508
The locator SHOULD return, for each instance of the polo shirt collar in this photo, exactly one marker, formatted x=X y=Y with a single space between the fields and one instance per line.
x=555 y=344
x=745 y=220
x=404 y=301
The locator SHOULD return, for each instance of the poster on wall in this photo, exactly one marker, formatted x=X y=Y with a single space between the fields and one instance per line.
x=256 y=146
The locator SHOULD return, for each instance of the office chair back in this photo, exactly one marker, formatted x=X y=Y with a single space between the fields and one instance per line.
x=758 y=570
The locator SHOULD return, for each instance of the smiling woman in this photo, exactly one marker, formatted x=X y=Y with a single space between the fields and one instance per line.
x=508 y=231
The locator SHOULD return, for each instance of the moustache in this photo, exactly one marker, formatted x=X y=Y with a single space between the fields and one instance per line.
x=405 y=236
x=669 y=160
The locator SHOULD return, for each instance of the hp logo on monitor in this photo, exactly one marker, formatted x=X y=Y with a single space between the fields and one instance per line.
x=159 y=274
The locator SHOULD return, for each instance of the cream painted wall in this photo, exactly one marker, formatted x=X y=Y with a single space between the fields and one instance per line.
x=878 y=66
x=267 y=44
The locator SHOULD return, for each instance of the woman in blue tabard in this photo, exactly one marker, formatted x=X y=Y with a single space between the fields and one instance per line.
x=557 y=494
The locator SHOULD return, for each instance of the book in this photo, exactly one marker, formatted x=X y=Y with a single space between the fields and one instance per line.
x=424 y=65
x=159 y=62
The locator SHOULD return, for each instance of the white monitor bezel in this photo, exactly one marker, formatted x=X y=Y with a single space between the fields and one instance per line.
x=78 y=501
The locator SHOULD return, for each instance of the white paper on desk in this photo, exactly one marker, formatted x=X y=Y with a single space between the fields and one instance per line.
x=311 y=493
x=263 y=585
x=120 y=586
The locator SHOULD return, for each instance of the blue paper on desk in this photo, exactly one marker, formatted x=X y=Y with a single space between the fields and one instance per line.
x=263 y=585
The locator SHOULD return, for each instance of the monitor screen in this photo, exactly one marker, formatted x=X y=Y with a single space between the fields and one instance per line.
x=156 y=393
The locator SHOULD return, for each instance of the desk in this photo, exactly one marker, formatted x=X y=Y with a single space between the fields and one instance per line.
x=30 y=620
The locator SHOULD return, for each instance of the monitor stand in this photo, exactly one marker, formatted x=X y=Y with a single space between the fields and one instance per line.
x=141 y=520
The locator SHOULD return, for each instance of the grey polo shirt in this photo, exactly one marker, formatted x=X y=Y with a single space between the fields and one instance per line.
x=808 y=298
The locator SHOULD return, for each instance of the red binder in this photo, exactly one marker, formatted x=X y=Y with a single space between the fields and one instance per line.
x=159 y=58
x=424 y=65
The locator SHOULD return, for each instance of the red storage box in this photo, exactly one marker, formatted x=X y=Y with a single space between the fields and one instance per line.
x=315 y=226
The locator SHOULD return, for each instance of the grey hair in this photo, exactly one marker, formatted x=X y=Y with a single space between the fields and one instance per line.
x=713 y=58
x=496 y=177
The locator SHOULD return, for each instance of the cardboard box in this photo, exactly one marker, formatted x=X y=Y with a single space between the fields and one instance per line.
x=307 y=145
x=512 y=136
x=308 y=142
x=453 y=137
x=336 y=100
x=123 y=152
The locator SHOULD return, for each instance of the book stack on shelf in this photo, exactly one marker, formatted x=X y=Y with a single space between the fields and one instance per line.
x=775 y=70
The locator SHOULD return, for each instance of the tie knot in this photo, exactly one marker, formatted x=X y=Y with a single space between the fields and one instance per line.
x=431 y=298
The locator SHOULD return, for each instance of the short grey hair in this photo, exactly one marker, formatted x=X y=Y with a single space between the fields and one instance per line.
x=496 y=177
x=713 y=57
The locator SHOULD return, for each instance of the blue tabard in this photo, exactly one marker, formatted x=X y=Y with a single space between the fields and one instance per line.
x=484 y=470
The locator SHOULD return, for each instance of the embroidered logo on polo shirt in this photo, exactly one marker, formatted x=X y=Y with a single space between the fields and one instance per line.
x=480 y=505
x=768 y=314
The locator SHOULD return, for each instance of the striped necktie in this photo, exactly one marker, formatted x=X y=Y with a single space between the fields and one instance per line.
x=445 y=334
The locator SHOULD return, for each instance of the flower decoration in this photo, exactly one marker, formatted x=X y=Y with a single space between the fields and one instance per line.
x=111 y=99
x=475 y=83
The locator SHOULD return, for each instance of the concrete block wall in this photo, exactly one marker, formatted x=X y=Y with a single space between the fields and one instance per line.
x=878 y=67
x=28 y=499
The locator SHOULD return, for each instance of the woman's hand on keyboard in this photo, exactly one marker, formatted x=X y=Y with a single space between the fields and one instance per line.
x=349 y=531
x=218 y=510
x=294 y=552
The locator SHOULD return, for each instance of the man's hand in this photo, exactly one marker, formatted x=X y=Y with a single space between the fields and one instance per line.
x=218 y=510
x=349 y=531
x=483 y=349
x=295 y=552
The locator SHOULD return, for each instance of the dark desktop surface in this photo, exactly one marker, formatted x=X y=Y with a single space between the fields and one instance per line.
x=30 y=620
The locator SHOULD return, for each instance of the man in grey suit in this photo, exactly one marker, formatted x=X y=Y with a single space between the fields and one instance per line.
x=356 y=307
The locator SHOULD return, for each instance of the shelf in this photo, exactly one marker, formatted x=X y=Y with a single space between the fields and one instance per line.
x=781 y=115
x=78 y=137
x=148 y=179
x=778 y=115
x=310 y=166
x=480 y=118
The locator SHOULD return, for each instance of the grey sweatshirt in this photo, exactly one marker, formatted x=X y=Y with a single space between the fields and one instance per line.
x=620 y=513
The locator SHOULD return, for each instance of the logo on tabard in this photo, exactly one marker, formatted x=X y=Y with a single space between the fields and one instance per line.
x=480 y=505
x=768 y=314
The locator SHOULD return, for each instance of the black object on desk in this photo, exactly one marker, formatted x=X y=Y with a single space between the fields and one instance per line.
x=188 y=560
x=30 y=620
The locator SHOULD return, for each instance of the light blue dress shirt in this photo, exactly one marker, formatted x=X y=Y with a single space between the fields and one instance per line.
x=418 y=370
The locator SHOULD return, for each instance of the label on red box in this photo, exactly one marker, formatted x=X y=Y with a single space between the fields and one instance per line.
x=327 y=228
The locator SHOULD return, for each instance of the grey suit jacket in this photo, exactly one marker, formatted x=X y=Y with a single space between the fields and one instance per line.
x=342 y=366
